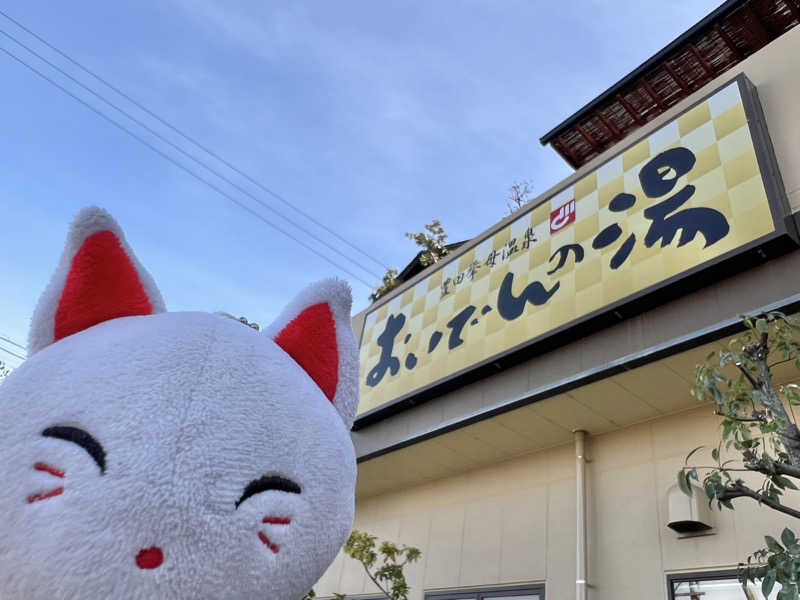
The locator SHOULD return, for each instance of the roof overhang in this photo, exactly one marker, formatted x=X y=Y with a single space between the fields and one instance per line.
x=728 y=35
x=622 y=395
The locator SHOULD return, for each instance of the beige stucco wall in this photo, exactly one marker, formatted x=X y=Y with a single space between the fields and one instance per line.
x=514 y=522
x=775 y=71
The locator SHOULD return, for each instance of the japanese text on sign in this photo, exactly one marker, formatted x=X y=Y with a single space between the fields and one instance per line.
x=689 y=193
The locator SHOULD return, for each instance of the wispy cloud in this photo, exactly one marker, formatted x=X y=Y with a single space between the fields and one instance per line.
x=374 y=116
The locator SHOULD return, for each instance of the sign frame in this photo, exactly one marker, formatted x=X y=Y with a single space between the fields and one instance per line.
x=783 y=239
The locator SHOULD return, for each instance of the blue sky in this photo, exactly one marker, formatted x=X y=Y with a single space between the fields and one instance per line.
x=376 y=117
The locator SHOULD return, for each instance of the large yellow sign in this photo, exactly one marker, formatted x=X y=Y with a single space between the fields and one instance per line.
x=685 y=196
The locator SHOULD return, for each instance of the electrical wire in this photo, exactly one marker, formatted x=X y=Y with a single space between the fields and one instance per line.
x=186 y=154
x=12 y=353
x=12 y=342
x=185 y=168
x=193 y=141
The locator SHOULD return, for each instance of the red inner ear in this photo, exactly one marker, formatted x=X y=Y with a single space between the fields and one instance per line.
x=310 y=339
x=102 y=284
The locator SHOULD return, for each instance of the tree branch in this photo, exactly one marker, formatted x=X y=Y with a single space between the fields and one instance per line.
x=759 y=419
x=780 y=362
x=773 y=468
x=739 y=490
x=717 y=468
x=788 y=432
x=375 y=581
x=746 y=373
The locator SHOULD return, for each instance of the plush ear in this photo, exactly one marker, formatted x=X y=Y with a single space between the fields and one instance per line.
x=315 y=330
x=97 y=279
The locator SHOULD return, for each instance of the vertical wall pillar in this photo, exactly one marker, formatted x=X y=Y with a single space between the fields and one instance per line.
x=580 y=471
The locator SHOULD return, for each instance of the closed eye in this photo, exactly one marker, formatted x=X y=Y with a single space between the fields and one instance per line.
x=82 y=439
x=267 y=483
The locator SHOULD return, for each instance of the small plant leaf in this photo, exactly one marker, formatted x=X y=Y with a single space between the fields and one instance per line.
x=788 y=538
x=773 y=544
x=768 y=583
x=683 y=483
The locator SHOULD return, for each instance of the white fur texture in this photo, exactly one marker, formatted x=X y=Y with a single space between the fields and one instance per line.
x=88 y=221
x=336 y=293
x=190 y=408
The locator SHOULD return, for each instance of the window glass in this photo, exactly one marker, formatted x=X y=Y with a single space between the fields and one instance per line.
x=725 y=588
x=533 y=592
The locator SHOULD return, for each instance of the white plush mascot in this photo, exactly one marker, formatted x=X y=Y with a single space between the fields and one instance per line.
x=154 y=455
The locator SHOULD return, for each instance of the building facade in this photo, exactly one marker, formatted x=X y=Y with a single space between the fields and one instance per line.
x=527 y=399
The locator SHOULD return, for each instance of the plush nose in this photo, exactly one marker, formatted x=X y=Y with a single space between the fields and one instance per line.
x=149 y=558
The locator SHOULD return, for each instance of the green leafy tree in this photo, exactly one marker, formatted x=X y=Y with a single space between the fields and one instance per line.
x=432 y=241
x=390 y=282
x=434 y=247
x=384 y=564
x=759 y=437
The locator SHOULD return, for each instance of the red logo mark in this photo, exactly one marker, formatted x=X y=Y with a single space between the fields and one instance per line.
x=562 y=216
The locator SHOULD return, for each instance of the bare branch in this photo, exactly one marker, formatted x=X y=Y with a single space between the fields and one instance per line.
x=717 y=468
x=763 y=347
x=740 y=490
x=780 y=362
x=788 y=431
x=757 y=419
x=375 y=581
x=773 y=468
x=747 y=374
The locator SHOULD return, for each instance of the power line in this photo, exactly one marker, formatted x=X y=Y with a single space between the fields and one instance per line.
x=12 y=342
x=193 y=141
x=12 y=353
x=184 y=152
x=184 y=168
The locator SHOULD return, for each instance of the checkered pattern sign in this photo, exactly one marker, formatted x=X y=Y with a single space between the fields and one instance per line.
x=428 y=333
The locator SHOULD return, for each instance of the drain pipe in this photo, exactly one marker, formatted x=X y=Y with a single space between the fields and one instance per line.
x=580 y=470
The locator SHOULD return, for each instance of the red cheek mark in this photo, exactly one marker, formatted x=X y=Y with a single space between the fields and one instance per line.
x=277 y=520
x=150 y=558
x=45 y=495
x=268 y=543
x=40 y=466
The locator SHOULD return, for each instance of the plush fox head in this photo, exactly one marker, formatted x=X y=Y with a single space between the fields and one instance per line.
x=149 y=454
